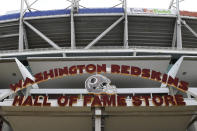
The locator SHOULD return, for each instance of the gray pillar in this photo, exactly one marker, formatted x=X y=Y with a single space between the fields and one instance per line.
x=21 y=33
x=97 y=119
x=179 y=35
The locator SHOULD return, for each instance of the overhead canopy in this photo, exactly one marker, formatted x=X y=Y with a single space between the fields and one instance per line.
x=116 y=118
x=9 y=73
x=187 y=70
x=148 y=118
x=120 y=81
x=48 y=118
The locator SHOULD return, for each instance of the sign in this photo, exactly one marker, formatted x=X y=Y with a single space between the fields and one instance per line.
x=101 y=101
x=102 y=68
x=151 y=11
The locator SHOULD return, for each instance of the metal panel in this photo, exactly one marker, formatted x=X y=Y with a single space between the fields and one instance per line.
x=150 y=31
x=84 y=91
x=189 y=40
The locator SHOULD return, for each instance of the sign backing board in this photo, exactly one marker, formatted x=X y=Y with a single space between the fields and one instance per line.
x=121 y=81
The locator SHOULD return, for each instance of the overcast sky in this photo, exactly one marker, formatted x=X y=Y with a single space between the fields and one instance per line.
x=11 y=5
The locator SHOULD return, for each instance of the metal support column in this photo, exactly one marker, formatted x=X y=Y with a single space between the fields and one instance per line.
x=73 y=44
x=125 y=25
x=97 y=119
x=21 y=33
x=174 y=36
x=179 y=35
x=25 y=38
x=104 y=33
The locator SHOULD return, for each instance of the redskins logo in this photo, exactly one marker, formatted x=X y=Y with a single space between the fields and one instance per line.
x=98 y=84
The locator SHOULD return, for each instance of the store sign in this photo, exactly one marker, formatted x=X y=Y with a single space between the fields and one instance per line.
x=151 y=11
x=102 y=68
x=101 y=101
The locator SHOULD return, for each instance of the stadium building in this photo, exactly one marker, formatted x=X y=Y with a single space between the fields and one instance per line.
x=98 y=69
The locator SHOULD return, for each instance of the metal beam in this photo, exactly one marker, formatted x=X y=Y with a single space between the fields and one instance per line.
x=179 y=35
x=84 y=91
x=174 y=70
x=125 y=25
x=160 y=51
x=9 y=35
x=42 y=35
x=6 y=94
x=174 y=35
x=104 y=33
x=25 y=73
x=189 y=28
x=73 y=45
x=171 y=4
x=28 y=7
x=20 y=44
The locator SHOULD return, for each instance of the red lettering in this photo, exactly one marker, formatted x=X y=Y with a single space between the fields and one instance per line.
x=157 y=100
x=36 y=102
x=87 y=99
x=73 y=99
x=164 y=78
x=63 y=72
x=136 y=101
x=115 y=69
x=179 y=100
x=45 y=102
x=145 y=73
x=17 y=85
x=173 y=81
x=136 y=71
x=73 y=70
x=62 y=101
x=125 y=69
x=18 y=100
x=96 y=102
x=28 y=81
x=146 y=100
x=48 y=75
x=81 y=68
x=121 y=101
x=109 y=100
x=91 y=68
x=101 y=68
x=38 y=77
x=28 y=101
x=169 y=100
x=56 y=72
x=183 y=85
x=156 y=76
